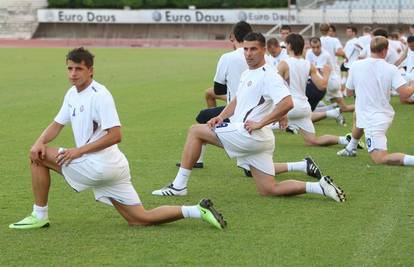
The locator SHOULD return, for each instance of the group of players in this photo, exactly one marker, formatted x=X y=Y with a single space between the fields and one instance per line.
x=267 y=86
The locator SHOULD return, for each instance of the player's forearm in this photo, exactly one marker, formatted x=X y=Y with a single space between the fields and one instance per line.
x=50 y=133
x=279 y=112
x=228 y=111
x=113 y=137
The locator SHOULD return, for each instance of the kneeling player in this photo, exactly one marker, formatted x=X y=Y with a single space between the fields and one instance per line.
x=96 y=163
x=373 y=79
x=262 y=99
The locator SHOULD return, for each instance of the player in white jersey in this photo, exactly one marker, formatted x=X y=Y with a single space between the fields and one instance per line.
x=295 y=70
x=262 y=98
x=366 y=37
x=96 y=162
x=319 y=58
x=334 y=48
x=372 y=80
x=275 y=53
x=284 y=31
x=226 y=80
x=408 y=57
x=392 y=55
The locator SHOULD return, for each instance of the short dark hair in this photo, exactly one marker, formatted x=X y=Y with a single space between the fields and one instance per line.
x=80 y=54
x=332 y=27
x=314 y=40
x=296 y=42
x=380 y=32
x=285 y=27
x=353 y=29
x=410 y=39
x=240 y=30
x=273 y=42
x=367 y=29
x=256 y=36
x=324 y=28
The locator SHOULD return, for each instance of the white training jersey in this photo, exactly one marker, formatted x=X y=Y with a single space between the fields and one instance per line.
x=391 y=57
x=229 y=69
x=365 y=40
x=299 y=70
x=396 y=45
x=319 y=61
x=409 y=61
x=274 y=61
x=352 y=50
x=331 y=45
x=373 y=79
x=90 y=113
x=259 y=92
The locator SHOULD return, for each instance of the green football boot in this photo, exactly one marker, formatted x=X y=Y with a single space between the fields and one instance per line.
x=210 y=214
x=30 y=222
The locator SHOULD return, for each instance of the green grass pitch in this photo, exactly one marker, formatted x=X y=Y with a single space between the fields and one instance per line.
x=158 y=92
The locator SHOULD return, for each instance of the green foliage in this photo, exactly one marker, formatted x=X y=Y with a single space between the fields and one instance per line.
x=167 y=3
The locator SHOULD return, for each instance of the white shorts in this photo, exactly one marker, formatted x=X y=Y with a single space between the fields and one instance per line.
x=247 y=150
x=300 y=117
x=333 y=90
x=105 y=181
x=376 y=138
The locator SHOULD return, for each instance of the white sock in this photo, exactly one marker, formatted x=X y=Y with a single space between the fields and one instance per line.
x=412 y=97
x=297 y=166
x=352 y=145
x=314 y=188
x=190 y=212
x=342 y=140
x=408 y=160
x=203 y=150
x=181 y=179
x=40 y=212
x=333 y=113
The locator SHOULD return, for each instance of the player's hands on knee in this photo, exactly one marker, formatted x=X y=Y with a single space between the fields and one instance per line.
x=37 y=152
x=65 y=156
x=250 y=126
x=214 y=121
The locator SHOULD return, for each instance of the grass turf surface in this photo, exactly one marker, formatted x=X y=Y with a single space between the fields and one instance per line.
x=158 y=92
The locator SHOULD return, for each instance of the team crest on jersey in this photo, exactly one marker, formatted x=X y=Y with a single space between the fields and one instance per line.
x=81 y=108
x=249 y=83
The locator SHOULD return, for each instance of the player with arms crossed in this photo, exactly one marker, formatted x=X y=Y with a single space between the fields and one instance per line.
x=372 y=80
x=96 y=162
x=262 y=98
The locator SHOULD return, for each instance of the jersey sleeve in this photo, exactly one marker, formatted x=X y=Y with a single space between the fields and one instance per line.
x=338 y=44
x=350 y=81
x=275 y=88
x=397 y=79
x=63 y=116
x=106 y=111
x=392 y=56
x=221 y=71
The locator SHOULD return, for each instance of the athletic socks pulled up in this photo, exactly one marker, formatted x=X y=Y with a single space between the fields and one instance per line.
x=41 y=213
x=190 y=212
x=181 y=179
x=314 y=188
x=297 y=166
x=409 y=160
x=352 y=145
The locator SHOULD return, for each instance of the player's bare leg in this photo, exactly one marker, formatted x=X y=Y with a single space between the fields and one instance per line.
x=325 y=140
x=198 y=135
x=267 y=186
x=41 y=176
x=344 y=106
